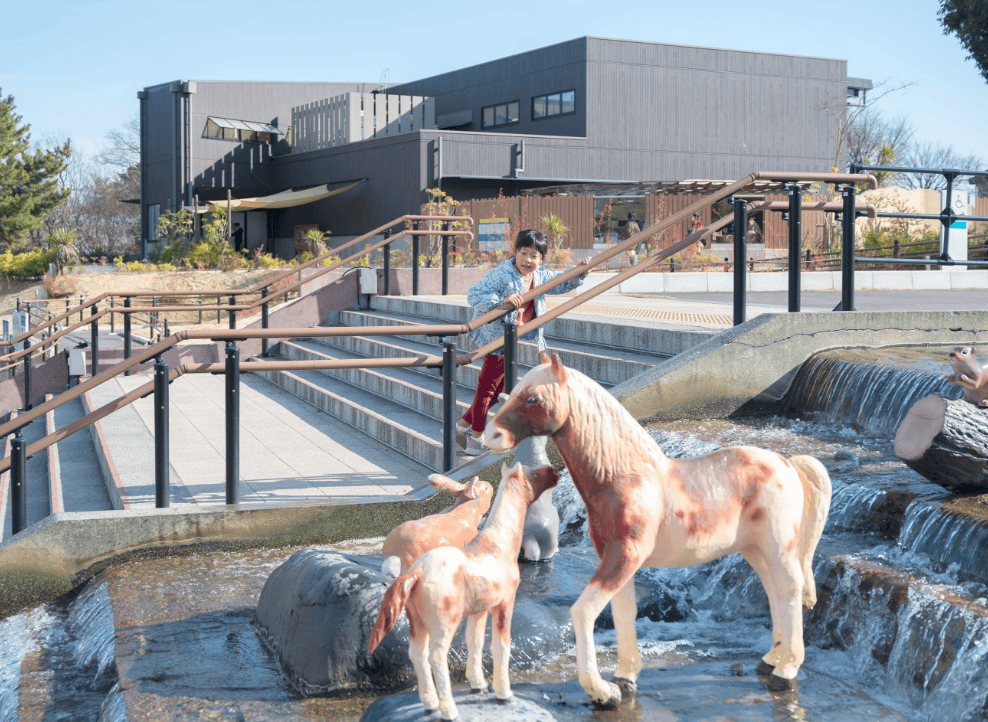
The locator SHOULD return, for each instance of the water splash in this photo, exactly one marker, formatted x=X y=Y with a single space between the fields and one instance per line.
x=18 y=638
x=866 y=396
x=947 y=538
x=851 y=505
x=90 y=624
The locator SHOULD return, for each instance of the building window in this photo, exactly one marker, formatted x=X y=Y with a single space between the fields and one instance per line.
x=240 y=131
x=554 y=104
x=501 y=114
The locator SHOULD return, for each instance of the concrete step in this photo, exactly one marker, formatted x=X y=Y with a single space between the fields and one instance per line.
x=400 y=427
x=604 y=364
x=640 y=334
x=78 y=476
x=37 y=483
x=421 y=392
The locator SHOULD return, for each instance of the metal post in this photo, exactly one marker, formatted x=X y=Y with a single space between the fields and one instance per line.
x=795 y=230
x=233 y=314
x=82 y=311
x=94 y=342
x=219 y=302
x=126 y=333
x=18 y=483
x=445 y=247
x=196 y=220
x=449 y=403
x=847 y=249
x=232 y=423
x=387 y=264
x=415 y=260
x=27 y=376
x=113 y=316
x=949 y=207
x=229 y=216
x=510 y=355
x=162 y=494
x=740 y=251
x=264 y=321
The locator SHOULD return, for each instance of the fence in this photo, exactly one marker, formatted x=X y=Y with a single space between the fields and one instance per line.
x=358 y=116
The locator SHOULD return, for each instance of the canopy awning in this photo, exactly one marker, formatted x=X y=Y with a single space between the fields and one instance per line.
x=285 y=199
x=245 y=125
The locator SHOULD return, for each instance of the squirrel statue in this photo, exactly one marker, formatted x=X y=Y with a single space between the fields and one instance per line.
x=970 y=373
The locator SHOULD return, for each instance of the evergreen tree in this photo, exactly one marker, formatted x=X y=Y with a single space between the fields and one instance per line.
x=29 y=183
x=968 y=20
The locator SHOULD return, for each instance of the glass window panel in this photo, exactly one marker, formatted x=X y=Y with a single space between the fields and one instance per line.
x=568 y=102
x=501 y=114
x=513 y=112
x=552 y=104
x=538 y=107
x=488 y=117
x=229 y=133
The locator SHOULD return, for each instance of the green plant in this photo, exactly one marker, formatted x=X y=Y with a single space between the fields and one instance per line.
x=314 y=242
x=62 y=243
x=30 y=264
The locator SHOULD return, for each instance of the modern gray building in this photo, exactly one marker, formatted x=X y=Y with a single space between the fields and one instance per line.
x=590 y=110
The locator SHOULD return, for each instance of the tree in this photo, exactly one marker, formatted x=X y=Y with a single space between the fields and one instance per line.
x=29 y=180
x=847 y=118
x=968 y=20
x=874 y=139
x=121 y=147
x=936 y=156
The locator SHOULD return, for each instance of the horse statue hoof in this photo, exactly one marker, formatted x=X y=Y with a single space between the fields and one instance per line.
x=778 y=684
x=611 y=702
x=625 y=685
x=480 y=690
x=764 y=668
x=506 y=700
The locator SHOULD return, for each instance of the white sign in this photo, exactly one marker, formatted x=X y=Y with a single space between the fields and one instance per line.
x=957 y=248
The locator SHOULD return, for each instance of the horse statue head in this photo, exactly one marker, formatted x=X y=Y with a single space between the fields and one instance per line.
x=539 y=405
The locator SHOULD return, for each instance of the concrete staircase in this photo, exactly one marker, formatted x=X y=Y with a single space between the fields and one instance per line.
x=402 y=408
x=64 y=477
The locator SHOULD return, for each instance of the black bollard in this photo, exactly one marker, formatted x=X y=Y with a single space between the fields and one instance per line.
x=162 y=494
x=232 y=423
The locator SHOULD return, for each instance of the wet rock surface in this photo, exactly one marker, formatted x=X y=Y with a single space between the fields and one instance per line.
x=713 y=691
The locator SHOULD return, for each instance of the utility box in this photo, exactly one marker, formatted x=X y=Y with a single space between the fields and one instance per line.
x=77 y=362
x=368 y=281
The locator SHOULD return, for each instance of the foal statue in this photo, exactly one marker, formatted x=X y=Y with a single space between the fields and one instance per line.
x=645 y=509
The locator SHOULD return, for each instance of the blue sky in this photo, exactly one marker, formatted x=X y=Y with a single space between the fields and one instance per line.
x=74 y=68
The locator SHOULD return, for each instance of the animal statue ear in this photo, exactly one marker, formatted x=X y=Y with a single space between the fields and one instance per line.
x=547 y=476
x=472 y=489
x=504 y=471
x=543 y=357
x=444 y=483
x=559 y=369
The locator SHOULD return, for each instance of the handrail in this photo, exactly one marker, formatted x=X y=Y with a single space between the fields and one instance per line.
x=442 y=329
x=257 y=288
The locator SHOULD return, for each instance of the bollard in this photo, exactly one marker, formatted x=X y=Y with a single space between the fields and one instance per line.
x=795 y=226
x=445 y=251
x=740 y=251
x=113 y=316
x=126 y=333
x=449 y=403
x=162 y=495
x=510 y=355
x=27 y=375
x=387 y=264
x=232 y=423
x=233 y=314
x=415 y=260
x=264 y=321
x=18 y=483
x=94 y=341
x=847 y=249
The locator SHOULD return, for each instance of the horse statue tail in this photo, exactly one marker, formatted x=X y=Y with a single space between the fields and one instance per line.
x=816 y=504
x=391 y=606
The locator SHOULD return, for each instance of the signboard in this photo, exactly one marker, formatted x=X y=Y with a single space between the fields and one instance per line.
x=492 y=234
x=957 y=248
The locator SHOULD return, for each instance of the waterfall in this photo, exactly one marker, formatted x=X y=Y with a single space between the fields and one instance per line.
x=868 y=397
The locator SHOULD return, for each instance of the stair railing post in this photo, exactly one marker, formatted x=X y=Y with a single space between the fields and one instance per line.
x=27 y=375
x=449 y=402
x=740 y=251
x=233 y=314
x=264 y=321
x=847 y=248
x=162 y=494
x=510 y=355
x=113 y=325
x=795 y=241
x=415 y=259
x=18 y=483
x=387 y=264
x=126 y=333
x=232 y=423
x=445 y=247
x=94 y=341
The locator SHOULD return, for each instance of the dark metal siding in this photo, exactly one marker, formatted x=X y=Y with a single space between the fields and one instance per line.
x=519 y=77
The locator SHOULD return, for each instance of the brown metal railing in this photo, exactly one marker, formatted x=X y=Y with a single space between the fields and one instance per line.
x=448 y=361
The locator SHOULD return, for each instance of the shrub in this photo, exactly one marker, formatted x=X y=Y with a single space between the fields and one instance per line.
x=30 y=264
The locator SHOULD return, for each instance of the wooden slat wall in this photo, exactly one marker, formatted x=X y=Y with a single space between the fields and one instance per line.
x=351 y=117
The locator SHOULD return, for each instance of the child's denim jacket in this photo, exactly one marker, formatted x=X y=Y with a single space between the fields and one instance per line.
x=502 y=281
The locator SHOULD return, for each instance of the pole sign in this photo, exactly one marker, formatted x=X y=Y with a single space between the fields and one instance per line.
x=957 y=249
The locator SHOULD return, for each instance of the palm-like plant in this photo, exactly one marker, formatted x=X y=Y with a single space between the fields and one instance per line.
x=63 y=242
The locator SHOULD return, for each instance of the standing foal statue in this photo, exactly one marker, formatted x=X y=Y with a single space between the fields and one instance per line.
x=644 y=509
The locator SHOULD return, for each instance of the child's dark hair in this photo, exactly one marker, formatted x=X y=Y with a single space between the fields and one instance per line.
x=532 y=238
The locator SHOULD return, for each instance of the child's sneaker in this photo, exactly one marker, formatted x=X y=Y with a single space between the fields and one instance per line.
x=474 y=447
x=461 y=435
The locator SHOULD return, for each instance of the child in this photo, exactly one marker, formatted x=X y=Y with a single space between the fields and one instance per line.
x=507 y=282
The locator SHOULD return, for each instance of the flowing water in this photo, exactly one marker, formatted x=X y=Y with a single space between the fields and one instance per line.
x=902 y=616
